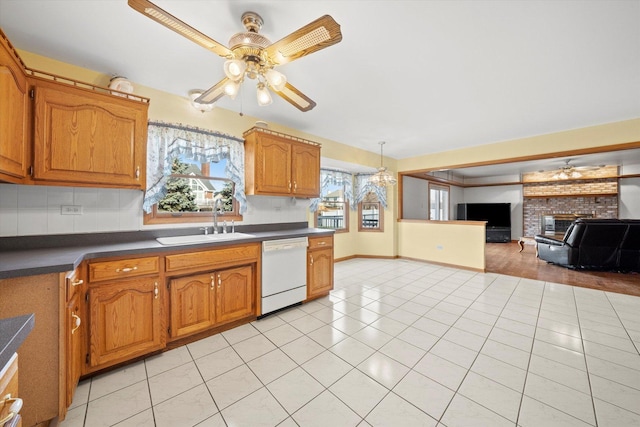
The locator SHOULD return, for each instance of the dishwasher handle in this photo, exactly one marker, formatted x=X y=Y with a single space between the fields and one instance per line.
x=284 y=244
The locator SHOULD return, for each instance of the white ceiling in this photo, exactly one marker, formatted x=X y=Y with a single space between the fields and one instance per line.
x=425 y=76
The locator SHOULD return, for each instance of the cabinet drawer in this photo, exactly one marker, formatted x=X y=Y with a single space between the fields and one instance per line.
x=236 y=255
x=73 y=283
x=109 y=270
x=320 y=242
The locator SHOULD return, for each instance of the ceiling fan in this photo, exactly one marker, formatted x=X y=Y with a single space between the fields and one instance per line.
x=252 y=55
x=567 y=170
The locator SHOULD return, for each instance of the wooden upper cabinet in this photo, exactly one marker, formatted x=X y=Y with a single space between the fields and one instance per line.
x=86 y=137
x=14 y=115
x=281 y=165
x=305 y=170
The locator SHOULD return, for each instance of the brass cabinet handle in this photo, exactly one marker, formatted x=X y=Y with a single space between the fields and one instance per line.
x=219 y=281
x=289 y=185
x=76 y=323
x=77 y=282
x=295 y=186
x=213 y=282
x=137 y=172
x=14 y=409
x=155 y=290
x=322 y=243
x=311 y=259
x=126 y=269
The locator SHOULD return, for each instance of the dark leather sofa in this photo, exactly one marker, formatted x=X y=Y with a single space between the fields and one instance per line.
x=597 y=244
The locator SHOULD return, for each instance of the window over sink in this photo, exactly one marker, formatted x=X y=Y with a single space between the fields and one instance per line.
x=194 y=190
x=191 y=172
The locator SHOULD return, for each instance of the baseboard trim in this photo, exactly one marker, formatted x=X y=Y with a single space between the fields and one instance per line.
x=363 y=256
x=442 y=264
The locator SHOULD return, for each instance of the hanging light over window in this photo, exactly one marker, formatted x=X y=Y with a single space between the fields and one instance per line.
x=382 y=177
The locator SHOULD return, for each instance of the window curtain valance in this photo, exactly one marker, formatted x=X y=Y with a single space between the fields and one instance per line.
x=364 y=187
x=332 y=177
x=166 y=141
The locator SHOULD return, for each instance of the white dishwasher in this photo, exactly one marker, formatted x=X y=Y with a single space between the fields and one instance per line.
x=284 y=273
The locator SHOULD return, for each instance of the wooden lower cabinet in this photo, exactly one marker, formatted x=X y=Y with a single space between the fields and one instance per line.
x=235 y=297
x=319 y=272
x=202 y=301
x=125 y=320
x=192 y=300
x=75 y=336
x=319 y=266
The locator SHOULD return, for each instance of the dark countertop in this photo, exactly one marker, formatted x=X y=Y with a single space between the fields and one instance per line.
x=32 y=255
x=13 y=332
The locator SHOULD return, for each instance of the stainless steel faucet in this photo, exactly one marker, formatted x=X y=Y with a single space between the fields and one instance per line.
x=216 y=206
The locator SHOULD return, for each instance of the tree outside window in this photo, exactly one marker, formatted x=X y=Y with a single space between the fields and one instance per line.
x=192 y=189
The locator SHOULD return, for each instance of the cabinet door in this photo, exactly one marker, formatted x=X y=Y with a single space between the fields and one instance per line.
x=14 y=110
x=192 y=301
x=125 y=320
x=234 y=294
x=9 y=389
x=273 y=166
x=305 y=170
x=74 y=360
x=319 y=272
x=88 y=137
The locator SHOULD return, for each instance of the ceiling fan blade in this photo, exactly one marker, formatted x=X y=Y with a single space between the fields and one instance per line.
x=212 y=94
x=296 y=98
x=161 y=16
x=321 y=33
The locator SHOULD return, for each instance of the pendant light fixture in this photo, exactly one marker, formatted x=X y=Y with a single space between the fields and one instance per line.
x=382 y=177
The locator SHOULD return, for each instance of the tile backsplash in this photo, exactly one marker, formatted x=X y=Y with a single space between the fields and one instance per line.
x=34 y=210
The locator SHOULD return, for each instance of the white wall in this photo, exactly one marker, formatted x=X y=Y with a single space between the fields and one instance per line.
x=500 y=194
x=35 y=210
x=456 y=195
x=415 y=198
x=629 y=198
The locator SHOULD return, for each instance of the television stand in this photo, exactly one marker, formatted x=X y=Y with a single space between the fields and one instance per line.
x=498 y=234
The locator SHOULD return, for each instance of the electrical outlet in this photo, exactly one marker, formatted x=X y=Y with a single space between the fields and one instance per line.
x=70 y=210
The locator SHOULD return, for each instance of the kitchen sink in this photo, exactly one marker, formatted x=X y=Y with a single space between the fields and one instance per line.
x=202 y=238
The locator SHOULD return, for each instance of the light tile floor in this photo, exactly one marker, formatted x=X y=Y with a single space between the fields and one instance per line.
x=397 y=343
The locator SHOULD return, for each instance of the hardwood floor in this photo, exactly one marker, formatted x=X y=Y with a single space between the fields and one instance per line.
x=504 y=258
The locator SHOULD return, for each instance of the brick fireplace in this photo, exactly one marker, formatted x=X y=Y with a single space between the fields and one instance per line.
x=597 y=198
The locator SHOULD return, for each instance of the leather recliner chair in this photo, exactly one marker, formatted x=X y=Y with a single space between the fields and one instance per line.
x=591 y=243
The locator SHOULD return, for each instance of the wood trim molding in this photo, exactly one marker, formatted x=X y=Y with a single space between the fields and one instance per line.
x=591 y=150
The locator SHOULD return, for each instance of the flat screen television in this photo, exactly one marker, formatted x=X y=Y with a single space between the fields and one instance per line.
x=496 y=214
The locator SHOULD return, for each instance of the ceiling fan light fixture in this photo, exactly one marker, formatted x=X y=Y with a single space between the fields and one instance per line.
x=203 y=108
x=276 y=79
x=234 y=69
x=264 y=97
x=231 y=89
